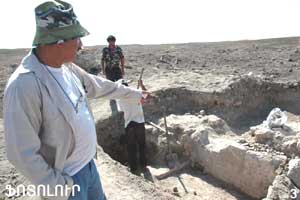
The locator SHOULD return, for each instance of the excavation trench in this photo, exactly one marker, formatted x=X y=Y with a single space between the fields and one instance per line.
x=242 y=104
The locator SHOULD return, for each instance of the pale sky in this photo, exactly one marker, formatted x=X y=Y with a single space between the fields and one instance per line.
x=160 y=21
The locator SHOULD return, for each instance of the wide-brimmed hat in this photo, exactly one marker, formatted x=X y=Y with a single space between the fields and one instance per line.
x=56 y=21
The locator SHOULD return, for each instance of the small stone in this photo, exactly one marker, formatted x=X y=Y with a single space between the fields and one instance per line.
x=195 y=193
x=242 y=141
x=250 y=74
x=14 y=66
x=175 y=189
x=263 y=135
x=202 y=112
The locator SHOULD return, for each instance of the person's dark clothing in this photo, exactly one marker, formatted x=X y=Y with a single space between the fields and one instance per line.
x=136 y=145
x=112 y=58
x=113 y=74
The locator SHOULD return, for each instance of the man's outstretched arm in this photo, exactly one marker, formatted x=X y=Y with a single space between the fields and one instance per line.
x=97 y=87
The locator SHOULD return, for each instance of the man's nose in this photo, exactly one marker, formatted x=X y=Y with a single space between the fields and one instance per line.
x=79 y=44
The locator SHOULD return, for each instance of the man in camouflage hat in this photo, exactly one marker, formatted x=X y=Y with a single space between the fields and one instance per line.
x=49 y=128
x=112 y=57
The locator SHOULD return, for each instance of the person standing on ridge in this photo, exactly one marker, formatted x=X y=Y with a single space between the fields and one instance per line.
x=112 y=58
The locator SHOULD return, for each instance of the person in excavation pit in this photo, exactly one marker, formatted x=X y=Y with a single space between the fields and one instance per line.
x=134 y=131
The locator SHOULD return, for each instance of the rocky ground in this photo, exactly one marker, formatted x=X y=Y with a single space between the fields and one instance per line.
x=212 y=94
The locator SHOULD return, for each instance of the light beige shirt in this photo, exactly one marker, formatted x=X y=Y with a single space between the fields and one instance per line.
x=39 y=120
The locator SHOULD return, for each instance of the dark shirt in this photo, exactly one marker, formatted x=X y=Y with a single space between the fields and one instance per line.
x=112 y=57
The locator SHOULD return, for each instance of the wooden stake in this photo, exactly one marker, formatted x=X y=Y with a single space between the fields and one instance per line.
x=167 y=133
x=141 y=76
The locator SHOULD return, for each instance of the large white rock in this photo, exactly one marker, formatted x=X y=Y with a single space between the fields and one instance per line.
x=204 y=142
x=196 y=141
x=187 y=124
x=294 y=171
x=282 y=188
x=251 y=172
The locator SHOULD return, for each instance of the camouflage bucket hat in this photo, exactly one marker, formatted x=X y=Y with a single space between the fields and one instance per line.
x=56 y=21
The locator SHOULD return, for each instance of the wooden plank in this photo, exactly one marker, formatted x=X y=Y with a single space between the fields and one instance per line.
x=155 y=126
x=141 y=76
x=172 y=171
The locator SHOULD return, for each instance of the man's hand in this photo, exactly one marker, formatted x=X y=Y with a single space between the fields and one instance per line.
x=145 y=97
